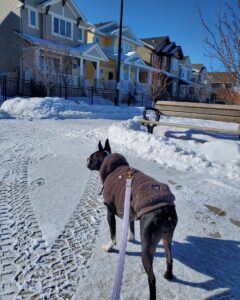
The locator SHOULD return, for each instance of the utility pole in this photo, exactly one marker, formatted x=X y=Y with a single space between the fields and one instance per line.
x=116 y=100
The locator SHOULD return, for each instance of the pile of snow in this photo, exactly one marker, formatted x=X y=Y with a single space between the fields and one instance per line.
x=58 y=108
x=219 y=156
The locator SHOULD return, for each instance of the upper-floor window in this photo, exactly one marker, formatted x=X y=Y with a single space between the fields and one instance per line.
x=32 y=18
x=80 y=34
x=96 y=40
x=62 y=27
x=175 y=64
x=126 y=47
x=164 y=61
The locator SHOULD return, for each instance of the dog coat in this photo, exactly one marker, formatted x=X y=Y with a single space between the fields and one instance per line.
x=148 y=194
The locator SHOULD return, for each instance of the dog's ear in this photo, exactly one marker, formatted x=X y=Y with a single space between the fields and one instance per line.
x=107 y=146
x=100 y=147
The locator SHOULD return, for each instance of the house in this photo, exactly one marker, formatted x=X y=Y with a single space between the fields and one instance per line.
x=201 y=89
x=10 y=50
x=224 y=87
x=186 y=76
x=135 y=73
x=51 y=34
x=164 y=55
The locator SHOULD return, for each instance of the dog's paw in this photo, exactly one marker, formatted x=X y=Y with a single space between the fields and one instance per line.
x=168 y=275
x=130 y=237
x=108 y=247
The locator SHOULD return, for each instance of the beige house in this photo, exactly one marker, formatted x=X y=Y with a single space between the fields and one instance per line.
x=166 y=56
x=52 y=32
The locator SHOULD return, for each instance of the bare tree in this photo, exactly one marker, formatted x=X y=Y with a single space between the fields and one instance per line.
x=223 y=44
x=160 y=84
x=51 y=66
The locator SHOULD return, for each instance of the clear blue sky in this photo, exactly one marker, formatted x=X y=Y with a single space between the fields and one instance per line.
x=178 y=19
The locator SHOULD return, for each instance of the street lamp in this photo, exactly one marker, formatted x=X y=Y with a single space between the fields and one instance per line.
x=116 y=100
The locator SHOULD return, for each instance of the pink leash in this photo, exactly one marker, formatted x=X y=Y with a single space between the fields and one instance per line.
x=123 y=245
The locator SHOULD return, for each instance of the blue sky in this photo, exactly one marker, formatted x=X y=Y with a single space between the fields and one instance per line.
x=178 y=19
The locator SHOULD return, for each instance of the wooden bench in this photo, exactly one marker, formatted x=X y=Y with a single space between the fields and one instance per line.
x=215 y=112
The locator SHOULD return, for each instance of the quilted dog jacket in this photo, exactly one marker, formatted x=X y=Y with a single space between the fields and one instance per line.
x=147 y=193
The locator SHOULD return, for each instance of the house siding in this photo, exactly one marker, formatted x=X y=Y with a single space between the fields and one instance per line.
x=10 y=51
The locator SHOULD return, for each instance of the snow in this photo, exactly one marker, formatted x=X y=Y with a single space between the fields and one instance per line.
x=58 y=108
x=43 y=153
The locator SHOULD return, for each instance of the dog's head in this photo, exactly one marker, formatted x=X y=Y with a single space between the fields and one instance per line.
x=96 y=159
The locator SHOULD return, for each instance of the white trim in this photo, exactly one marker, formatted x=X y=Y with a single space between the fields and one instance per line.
x=32 y=9
x=99 y=50
x=105 y=26
x=52 y=2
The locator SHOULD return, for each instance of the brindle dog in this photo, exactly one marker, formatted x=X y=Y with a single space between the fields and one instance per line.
x=154 y=226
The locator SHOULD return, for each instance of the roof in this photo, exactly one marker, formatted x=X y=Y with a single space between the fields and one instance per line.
x=222 y=77
x=198 y=67
x=102 y=24
x=155 y=41
x=79 y=50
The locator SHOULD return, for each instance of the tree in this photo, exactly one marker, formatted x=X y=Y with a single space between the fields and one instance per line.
x=160 y=84
x=51 y=66
x=223 y=45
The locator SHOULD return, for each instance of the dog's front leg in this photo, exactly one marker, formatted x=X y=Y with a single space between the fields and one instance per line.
x=112 y=227
x=131 y=231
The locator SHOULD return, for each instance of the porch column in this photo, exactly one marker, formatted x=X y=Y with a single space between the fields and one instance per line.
x=37 y=58
x=81 y=68
x=137 y=74
x=129 y=73
x=97 y=74
x=121 y=72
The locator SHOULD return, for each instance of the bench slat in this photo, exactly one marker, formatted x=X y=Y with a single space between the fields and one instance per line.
x=235 y=132
x=200 y=105
x=201 y=116
x=198 y=110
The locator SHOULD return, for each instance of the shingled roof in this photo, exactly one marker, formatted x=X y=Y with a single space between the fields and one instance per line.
x=222 y=77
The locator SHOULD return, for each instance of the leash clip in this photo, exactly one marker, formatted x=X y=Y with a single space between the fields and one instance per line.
x=130 y=173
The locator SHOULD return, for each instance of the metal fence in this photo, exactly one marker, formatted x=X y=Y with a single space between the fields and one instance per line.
x=13 y=87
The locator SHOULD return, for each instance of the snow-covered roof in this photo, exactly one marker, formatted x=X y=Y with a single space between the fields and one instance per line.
x=82 y=50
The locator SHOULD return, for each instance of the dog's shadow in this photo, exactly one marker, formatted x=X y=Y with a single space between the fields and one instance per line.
x=216 y=258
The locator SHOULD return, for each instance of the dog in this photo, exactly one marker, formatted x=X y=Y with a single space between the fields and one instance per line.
x=151 y=203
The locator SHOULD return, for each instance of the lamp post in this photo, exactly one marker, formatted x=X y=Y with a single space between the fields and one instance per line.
x=116 y=100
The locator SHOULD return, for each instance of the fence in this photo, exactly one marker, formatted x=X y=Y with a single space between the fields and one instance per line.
x=13 y=87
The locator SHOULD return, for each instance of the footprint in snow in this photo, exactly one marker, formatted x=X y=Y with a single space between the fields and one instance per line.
x=38 y=182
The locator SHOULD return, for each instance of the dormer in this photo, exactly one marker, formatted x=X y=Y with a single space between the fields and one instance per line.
x=62 y=20
x=107 y=35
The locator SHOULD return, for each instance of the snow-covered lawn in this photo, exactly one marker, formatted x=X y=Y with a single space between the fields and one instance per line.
x=53 y=223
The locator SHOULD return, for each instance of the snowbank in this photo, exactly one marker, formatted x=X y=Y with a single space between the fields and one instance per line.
x=58 y=108
x=220 y=156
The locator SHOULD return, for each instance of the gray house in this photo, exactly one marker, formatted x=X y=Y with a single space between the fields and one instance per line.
x=42 y=36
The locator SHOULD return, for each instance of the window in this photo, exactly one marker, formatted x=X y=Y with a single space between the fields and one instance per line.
x=80 y=34
x=32 y=18
x=62 y=27
x=164 y=61
x=175 y=64
x=96 y=39
x=68 y=30
x=126 y=47
x=56 y=65
x=56 y=25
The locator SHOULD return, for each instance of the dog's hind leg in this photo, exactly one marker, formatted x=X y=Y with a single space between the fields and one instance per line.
x=131 y=231
x=112 y=226
x=167 y=242
x=150 y=237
